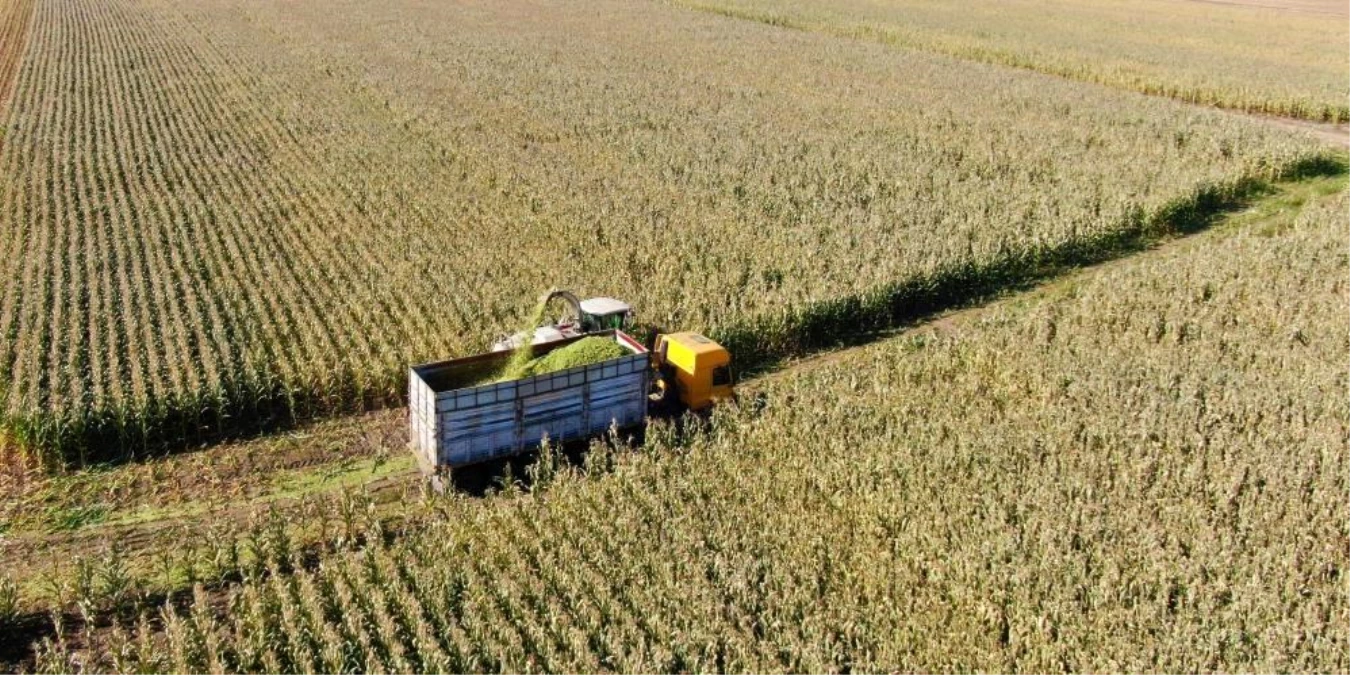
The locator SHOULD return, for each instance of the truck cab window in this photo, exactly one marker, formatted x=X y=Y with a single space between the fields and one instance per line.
x=721 y=375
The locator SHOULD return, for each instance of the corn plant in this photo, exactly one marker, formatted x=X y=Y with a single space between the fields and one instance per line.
x=1141 y=468
x=9 y=600
x=203 y=238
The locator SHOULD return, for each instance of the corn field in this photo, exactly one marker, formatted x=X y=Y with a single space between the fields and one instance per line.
x=1274 y=58
x=219 y=217
x=14 y=17
x=1139 y=470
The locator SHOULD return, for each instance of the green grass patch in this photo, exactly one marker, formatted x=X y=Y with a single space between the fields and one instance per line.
x=1275 y=214
x=286 y=485
x=67 y=518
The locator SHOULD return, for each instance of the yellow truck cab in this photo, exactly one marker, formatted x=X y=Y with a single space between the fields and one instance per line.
x=698 y=368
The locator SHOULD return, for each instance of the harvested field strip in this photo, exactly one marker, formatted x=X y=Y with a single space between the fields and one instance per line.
x=1241 y=59
x=228 y=472
x=224 y=218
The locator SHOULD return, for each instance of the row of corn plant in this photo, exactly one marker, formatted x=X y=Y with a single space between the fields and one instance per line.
x=1141 y=468
x=203 y=239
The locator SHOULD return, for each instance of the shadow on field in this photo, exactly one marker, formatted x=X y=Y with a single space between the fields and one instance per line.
x=760 y=345
x=535 y=468
x=523 y=471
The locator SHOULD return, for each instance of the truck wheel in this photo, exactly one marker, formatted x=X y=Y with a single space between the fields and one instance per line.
x=666 y=397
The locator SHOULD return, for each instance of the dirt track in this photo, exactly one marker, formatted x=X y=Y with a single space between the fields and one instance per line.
x=1338 y=134
x=1301 y=6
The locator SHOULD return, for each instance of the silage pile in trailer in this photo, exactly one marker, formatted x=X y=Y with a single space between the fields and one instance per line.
x=583 y=352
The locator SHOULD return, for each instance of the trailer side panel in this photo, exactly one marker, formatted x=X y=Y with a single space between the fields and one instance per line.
x=468 y=425
x=422 y=420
